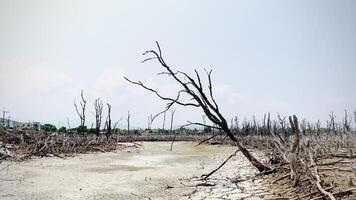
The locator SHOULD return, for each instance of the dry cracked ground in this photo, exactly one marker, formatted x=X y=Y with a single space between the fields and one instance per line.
x=149 y=172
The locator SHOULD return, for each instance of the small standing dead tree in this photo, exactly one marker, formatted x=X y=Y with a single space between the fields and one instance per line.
x=347 y=123
x=149 y=122
x=332 y=122
x=283 y=124
x=128 y=122
x=293 y=156
x=108 y=122
x=172 y=119
x=318 y=127
x=81 y=113
x=68 y=124
x=98 y=106
x=170 y=130
x=237 y=125
x=164 y=121
x=199 y=98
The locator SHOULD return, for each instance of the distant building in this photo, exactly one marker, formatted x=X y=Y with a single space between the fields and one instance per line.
x=11 y=124
x=145 y=131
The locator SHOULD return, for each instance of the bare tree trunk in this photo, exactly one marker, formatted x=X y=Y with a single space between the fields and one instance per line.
x=347 y=123
x=98 y=105
x=332 y=122
x=68 y=124
x=164 y=120
x=318 y=127
x=293 y=156
x=81 y=113
x=149 y=122
x=108 y=122
x=172 y=117
x=128 y=122
x=283 y=123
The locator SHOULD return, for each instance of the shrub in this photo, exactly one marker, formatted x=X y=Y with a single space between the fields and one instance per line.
x=49 y=127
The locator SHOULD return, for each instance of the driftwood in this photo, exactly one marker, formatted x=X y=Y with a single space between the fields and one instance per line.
x=207 y=139
x=318 y=181
x=206 y=176
x=338 y=193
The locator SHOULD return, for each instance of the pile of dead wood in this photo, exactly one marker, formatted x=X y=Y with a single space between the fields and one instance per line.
x=314 y=166
x=310 y=166
x=24 y=144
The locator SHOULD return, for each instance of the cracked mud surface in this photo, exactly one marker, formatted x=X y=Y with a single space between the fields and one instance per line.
x=151 y=172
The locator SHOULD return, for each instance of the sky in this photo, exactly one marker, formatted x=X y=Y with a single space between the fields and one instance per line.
x=291 y=57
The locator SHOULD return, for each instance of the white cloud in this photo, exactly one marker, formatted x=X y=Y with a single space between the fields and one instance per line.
x=18 y=79
x=109 y=80
x=226 y=92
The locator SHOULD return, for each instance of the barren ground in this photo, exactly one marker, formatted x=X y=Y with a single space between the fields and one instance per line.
x=149 y=172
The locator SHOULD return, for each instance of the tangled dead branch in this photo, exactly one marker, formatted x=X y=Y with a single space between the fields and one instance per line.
x=24 y=144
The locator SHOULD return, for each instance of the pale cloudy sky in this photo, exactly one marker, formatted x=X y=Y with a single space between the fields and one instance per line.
x=292 y=57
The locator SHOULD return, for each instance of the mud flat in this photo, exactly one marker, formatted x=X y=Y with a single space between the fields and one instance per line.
x=149 y=172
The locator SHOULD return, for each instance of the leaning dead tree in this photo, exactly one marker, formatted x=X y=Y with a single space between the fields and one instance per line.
x=98 y=106
x=81 y=113
x=199 y=96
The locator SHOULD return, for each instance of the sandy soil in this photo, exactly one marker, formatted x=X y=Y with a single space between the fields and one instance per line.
x=151 y=172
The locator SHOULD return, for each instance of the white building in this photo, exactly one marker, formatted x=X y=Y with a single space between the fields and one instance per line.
x=11 y=124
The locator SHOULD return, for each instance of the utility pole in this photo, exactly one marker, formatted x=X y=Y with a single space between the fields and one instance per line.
x=3 y=116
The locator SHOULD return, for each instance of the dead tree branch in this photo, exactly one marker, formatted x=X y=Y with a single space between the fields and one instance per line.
x=206 y=176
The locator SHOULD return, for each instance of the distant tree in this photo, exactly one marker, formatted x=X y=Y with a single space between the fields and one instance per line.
x=92 y=130
x=207 y=130
x=49 y=127
x=62 y=130
x=82 y=129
